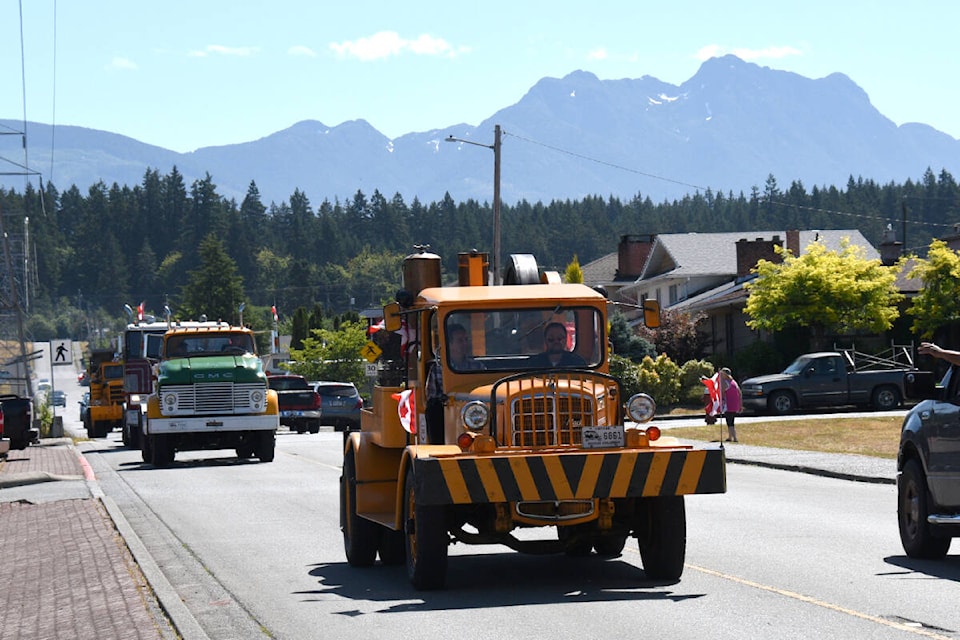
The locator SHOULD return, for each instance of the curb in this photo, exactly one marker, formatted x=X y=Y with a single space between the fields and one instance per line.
x=814 y=471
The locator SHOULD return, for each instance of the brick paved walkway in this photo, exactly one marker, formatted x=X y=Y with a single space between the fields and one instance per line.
x=65 y=570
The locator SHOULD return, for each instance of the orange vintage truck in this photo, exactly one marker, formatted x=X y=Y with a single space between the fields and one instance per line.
x=503 y=441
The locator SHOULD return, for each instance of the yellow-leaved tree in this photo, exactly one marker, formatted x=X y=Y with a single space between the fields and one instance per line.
x=935 y=306
x=826 y=290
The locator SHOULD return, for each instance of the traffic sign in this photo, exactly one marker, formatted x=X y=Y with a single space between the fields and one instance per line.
x=61 y=352
x=371 y=351
x=370 y=369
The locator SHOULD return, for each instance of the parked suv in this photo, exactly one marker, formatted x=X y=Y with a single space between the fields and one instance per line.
x=340 y=403
x=928 y=462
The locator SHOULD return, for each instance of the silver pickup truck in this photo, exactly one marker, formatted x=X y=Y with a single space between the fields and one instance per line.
x=823 y=379
x=928 y=465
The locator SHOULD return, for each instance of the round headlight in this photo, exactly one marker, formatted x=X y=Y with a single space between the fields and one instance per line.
x=170 y=400
x=641 y=408
x=475 y=415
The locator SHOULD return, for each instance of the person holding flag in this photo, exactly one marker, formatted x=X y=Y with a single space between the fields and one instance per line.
x=722 y=397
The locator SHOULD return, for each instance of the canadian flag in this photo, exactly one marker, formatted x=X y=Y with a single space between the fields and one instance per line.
x=273 y=310
x=407 y=410
x=407 y=335
x=713 y=389
x=140 y=310
x=372 y=329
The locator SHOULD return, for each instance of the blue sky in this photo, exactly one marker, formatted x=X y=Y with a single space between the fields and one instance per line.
x=184 y=75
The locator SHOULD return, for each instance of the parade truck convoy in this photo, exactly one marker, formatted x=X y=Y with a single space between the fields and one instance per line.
x=105 y=372
x=474 y=450
x=210 y=393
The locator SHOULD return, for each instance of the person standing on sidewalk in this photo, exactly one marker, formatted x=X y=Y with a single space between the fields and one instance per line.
x=732 y=402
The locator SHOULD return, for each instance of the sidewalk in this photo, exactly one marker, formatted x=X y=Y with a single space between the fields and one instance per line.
x=67 y=570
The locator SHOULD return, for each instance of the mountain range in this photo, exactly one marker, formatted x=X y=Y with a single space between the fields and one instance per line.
x=727 y=128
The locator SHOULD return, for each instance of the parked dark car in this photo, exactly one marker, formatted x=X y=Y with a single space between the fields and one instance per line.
x=59 y=398
x=340 y=403
x=299 y=403
x=18 y=421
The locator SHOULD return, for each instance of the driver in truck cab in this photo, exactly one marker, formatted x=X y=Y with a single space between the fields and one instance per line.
x=555 y=352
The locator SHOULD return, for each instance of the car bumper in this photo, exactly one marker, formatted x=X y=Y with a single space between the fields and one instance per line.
x=210 y=424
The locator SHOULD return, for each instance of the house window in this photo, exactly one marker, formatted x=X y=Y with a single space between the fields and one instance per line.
x=673 y=294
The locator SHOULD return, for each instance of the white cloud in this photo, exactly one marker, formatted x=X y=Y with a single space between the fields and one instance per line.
x=598 y=54
x=300 y=50
x=123 y=64
x=218 y=49
x=386 y=44
x=768 y=53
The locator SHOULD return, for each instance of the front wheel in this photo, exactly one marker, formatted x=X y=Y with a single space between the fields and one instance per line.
x=163 y=450
x=426 y=536
x=916 y=535
x=663 y=538
x=781 y=403
x=266 y=445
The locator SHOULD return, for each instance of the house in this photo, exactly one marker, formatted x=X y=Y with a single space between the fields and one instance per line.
x=704 y=272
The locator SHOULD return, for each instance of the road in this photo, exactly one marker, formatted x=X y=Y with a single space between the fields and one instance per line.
x=254 y=551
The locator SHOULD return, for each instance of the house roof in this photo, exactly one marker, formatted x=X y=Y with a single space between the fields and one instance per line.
x=714 y=254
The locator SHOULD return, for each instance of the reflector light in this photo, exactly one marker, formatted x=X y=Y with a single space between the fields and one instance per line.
x=653 y=433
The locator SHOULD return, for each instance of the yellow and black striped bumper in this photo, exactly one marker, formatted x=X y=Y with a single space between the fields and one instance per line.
x=474 y=479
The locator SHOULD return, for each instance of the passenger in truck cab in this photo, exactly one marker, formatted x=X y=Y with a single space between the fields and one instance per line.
x=555 y=352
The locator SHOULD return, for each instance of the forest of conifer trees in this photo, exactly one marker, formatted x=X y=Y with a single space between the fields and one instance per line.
x=119 y=244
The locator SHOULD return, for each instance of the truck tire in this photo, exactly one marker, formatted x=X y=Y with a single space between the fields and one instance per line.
x=885 y=398
x=781 y=403
x=663 y=538
x=266 y=445
x=360 y=536
x=426 y=540
x=135 y=432
x=916 y=534
x=125 y=434
x=18 y=443
x=162 y=450
x=393 y=547
x=146 y=449
x=610 y=545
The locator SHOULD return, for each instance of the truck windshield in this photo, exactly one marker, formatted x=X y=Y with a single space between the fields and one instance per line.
x=523 y=339
x=208 y=344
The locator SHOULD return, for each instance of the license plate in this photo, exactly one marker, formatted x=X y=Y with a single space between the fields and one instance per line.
x=291 y=414
x=336 y=403
x=602 y=437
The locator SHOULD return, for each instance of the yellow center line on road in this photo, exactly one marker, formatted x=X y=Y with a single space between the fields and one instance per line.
x=915 y=629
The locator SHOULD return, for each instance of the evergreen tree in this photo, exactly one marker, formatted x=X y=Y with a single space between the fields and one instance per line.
x=214 y=288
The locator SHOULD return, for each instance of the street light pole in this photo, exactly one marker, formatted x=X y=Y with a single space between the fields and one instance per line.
x=496 y=195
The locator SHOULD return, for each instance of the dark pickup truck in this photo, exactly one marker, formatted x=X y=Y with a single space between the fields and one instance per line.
x=18 y=421
x=928 y=465
x=299 y=403
x=826 y=379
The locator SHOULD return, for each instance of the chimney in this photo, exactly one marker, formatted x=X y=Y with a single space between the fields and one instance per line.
x=793 y=242
x=890 y=248
x=632 y=254
x=749 y=252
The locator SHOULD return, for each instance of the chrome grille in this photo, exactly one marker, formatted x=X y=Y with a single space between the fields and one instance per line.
x=552 y=410
x=212 y=398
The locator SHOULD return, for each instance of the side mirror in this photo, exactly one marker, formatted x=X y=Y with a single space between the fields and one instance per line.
x=391 y=316
x=651 y=314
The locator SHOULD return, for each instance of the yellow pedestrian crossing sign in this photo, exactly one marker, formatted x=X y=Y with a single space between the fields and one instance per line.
x=61 y=352
x=371 y=351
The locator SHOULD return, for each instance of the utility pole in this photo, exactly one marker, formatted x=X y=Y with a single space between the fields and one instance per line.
x=496 y=195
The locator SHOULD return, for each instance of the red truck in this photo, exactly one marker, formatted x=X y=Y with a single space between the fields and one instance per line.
x=299 y=402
